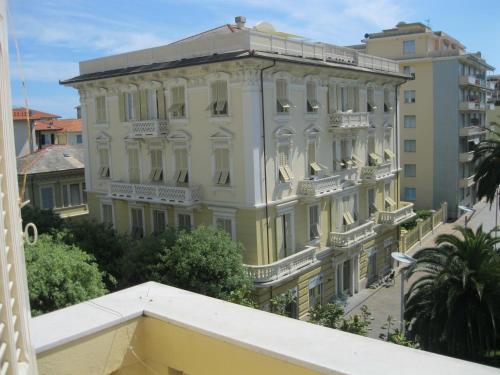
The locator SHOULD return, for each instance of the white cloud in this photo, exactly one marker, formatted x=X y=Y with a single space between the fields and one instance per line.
x=43 y=70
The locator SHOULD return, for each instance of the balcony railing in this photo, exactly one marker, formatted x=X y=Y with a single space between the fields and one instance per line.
x=149 y=129
x=283 y=267
x=472 y=106
x=349 y=120
x=465 y=157
x=353 y=236
x=466 y=182
x=351 y=174
x=472 y=81
x=376 y=172
x=319 y=186
x=178 y=195
x=398 y=216
x=470 y=131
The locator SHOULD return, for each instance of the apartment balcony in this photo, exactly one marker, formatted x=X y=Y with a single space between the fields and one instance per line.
x=397 y=216
x=466 y=182
x=349 y=120
x=466 y=157
x=319 y=186
x=354 y=236
x=471 y=131
x=471 y=81
x=348 y=174
x=176 y=195
x=267 y=273
x=148 y=129
x=472 y=106
x=376 y=172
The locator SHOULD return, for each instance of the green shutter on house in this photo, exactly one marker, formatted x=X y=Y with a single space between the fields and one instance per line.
x=121 y=106
x=162 y=111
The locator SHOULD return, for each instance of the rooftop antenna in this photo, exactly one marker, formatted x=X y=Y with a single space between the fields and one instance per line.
x=428 y=22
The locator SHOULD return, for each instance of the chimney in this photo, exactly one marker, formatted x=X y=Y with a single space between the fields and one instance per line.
x=240 y=21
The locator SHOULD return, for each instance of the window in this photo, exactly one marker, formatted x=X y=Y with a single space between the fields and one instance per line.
x=71 y=195
x=159 y=221
x=285 y=240
x=225 y=224
x=79 y=139
x=47 y=197
x=410 y=121
x=222 y=175
x=284 y=170
x=313 y=166
x=390 y=204
x=372 y=208
x=410 y=145
x=104 y=163
x=219 y=106
x=100 y=109
x=283 y=104
x=312 y=104
x=387 y=101
x=178 y=102
x=349 y=212
x=314 y=225
x=184 y=221
x=107 y=213
x=315 y=291
x=152 y=104
x=343 y=96
x=409 y=96
x=388 y=244
x=136 y=222
x=370 y=100
x=410 y=170
x=156 y=173
x=409 y=47
x=181 y=166
x=410 y=70
x=133 y=166
x=291 y=304
x=372 y=264
x=332 y=99
x=130 y=98
x=410 y=193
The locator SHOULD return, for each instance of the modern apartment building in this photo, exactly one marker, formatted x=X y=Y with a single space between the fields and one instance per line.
x=442 y=112
x=493 y=112
x=289 y=146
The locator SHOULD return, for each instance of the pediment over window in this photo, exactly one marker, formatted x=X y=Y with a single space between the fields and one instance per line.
x=103 y=137
x=222 y=135
x=179 y=136
x=284 y=132
x=312 y=131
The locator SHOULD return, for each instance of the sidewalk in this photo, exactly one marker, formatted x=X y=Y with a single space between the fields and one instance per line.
x=386 y=301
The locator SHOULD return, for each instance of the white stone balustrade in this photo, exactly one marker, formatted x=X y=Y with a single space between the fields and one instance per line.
x=149 y=129
x=318 y=187
x=401 y=214
x=283 y=267
x=376 y=172
x=179 y=195
x=349 y=120
x=353 y=236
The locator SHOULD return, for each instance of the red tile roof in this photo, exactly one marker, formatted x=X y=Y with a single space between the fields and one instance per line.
x=20 y=114
x=64 y=125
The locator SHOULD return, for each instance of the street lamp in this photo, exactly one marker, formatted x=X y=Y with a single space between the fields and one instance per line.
x=467 y=210
x=405 y=259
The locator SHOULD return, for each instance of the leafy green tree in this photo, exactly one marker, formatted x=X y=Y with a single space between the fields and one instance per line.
x=46 y=221
x=284 y=304
x=454 y=306
x=358 y=324
x=60 y=275
x=206 y=261
x=487 y=176
x=394 y=335
x=331 y=315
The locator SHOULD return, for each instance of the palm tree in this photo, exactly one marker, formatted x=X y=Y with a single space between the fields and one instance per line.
x=487 y=176
x=454 y=307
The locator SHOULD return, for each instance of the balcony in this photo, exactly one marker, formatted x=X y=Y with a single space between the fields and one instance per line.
x=472 y=106
x=398 y=216
x=319 y=186
x=352 y=237
x=354 y=120
x=470 y=131
x=376 y=172
x=177 y=195
x=284 y=267
x=466 y=157
x=148 y=129
x=466 y=182
x=350 y=174
x=472 y=81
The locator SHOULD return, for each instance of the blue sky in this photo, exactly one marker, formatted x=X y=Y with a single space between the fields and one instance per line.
x=53 y=35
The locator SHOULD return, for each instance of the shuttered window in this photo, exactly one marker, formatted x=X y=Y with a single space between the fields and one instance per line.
x=184 y=221
x=283 y=103
x=311 y=97
x=156 y=173
x=137 y=222
x=159 y=221
x=284 y=170
x=152 y=104
x=219 y=104
x=133 y=166
x=222 y=173
x=177 y=107
x=47 y=197
x=104 y=171
x=107 y=213
x=225 y=224
x=130 y=112
x=100 y=109
x=314 y=226
x=181 y=166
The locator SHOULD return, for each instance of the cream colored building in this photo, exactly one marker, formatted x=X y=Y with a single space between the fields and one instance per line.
x=493 y=112
x=442 y=112
x=289 y=146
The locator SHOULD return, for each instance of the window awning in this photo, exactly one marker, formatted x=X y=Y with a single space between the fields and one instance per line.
x=376 y=158
x=389 y=153
x=390 y=202
x=348 y=219
x=315 y=167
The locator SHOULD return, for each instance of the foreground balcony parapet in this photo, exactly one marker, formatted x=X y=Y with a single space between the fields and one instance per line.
x=403 y=213
x=376 y=172
x=284 y=267
x=319 y=186
x=354 y=236
x=157 y=326
x=472 y=106
x=470 y=131
x=349 y=120
x=148 y=129
x=176 y=195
